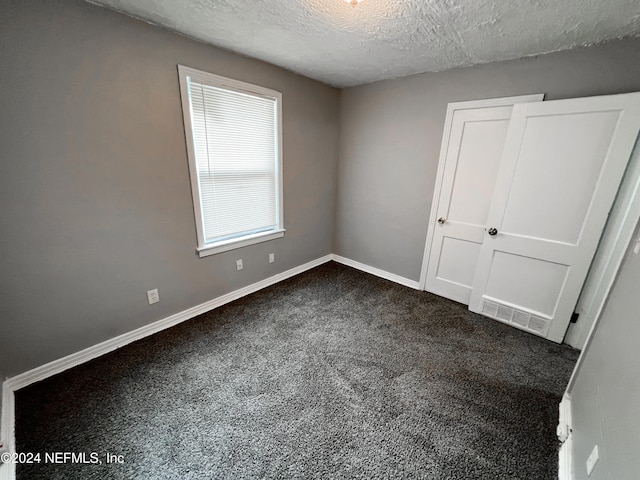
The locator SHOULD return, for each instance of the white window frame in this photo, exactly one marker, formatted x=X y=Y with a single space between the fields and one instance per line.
x=203 y=248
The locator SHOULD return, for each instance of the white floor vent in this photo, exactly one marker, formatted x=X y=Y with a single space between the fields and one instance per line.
x=526 y=320
x=504 y=313
x=489 y=308
x=521 y=318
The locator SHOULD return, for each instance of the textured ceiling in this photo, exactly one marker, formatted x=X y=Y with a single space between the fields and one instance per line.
x=343 y=45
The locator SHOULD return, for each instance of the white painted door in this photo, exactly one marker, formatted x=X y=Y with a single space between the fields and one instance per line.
x=472 y=146
x=560 y=170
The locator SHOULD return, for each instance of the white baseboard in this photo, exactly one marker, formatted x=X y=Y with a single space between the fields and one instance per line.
x=377 y=272
x=62 y=364
x=565 y=459
x=7 y=425
x=7 y=471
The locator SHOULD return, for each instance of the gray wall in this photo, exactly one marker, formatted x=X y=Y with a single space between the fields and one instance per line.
x=606 y=392
x=94 y=183
x=391 y=133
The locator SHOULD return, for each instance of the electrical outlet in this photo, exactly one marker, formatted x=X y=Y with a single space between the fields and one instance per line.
x=272 y=257
x=592 y=460
x=239 y=265
x=153 y=296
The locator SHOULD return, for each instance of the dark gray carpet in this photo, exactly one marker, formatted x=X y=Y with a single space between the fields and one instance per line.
x=331 y=374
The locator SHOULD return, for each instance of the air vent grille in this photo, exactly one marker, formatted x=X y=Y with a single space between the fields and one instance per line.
x=504 y=313
x=538 y=324
x=533 y=323
x=490 y=308
x=521 y=318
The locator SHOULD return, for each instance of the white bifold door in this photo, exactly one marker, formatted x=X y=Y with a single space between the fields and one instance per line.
x=472 y=147
x=557 y=179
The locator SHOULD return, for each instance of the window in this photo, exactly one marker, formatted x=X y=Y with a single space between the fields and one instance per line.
x=233 y=132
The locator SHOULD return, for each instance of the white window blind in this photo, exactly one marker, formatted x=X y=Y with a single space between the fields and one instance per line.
x=235 y=149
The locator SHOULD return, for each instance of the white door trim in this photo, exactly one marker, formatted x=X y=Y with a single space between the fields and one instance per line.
x=614 y=243
x=629 y=200
x=446 y=136
x=565 y=455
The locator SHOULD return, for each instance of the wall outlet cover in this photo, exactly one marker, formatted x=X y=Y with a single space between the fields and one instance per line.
x=153 y=296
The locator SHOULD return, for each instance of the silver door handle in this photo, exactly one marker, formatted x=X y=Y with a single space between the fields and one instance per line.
x=441 y=220
x=492 y=231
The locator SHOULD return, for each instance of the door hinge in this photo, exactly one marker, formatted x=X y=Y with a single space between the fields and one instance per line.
x=574 y=317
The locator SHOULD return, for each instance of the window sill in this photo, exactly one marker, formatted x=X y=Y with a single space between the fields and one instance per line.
x=239 y=242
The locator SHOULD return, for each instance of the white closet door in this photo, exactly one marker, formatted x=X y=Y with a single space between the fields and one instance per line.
x=471 y=153
x=560 y=170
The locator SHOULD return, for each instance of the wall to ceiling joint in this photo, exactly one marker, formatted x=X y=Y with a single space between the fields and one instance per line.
x=344 y=46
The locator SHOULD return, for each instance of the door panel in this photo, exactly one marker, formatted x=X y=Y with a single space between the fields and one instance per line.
x=520 y=280
x=567 y=166
x=560 y=170
x=457 y=262
x=474 y=177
